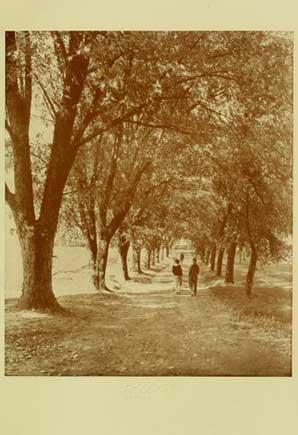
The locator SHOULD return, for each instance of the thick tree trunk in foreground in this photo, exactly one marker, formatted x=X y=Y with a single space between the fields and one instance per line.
x=219 y=261
x=37 y=256
x=229 y=277
x=99 y=273
x=251 y=271
x=123 y=251
x=37 y=235
x=213 y=257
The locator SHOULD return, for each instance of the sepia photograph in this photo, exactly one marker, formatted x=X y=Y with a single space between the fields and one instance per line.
x=148 y=203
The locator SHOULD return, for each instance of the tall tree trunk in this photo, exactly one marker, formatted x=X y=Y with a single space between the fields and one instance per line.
x=101 y=263
x=153 y=257
x=158 y=255
x=251 y=271
x=219 y=261
x=253 y=252
x=202 y=253
x=229 y=277
x=148 y=258
x=123 y=251
x=136 y=259
x=207 y=256
x=37 y=235
x=213 y=257
x=240 y=255
x=139 y=268
x=123 y=247
x=37 y=254
x=92 y=245
x=167 y=251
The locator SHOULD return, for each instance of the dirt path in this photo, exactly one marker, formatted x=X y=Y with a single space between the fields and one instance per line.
x=144 y=330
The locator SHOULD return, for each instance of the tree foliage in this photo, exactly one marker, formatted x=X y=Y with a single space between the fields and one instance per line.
x=150 y=136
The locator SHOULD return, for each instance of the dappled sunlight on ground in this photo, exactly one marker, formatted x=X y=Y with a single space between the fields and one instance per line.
x=144 y=328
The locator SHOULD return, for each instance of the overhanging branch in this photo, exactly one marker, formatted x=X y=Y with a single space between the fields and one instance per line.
x=161 y=126
x=113 y=123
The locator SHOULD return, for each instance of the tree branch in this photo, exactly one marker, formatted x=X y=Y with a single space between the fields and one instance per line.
x=18 y=110
x=60 y=51
x=10 y=198
x=251 y=241
x=113 y=123
x=130 y=193
x=47 y=98
x=209 y=109
x=256 y=190
x=90 y=115
x=111 y=177
x=28 y=75
x=160 y=126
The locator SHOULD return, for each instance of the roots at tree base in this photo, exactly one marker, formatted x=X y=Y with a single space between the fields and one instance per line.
x=41 y=302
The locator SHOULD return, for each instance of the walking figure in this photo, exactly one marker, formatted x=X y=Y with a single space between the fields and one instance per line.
x=181 y=257
x=177 y=272
x=193 y=277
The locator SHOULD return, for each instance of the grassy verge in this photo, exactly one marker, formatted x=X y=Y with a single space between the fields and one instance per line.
x=270 y=305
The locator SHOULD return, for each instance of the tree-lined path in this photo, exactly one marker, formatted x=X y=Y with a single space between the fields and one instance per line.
x=147 y=330
x=131 y=143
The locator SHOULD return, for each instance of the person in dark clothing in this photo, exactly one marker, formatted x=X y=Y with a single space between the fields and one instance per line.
x=181 y=257
x=193 y=277
x=177 y=272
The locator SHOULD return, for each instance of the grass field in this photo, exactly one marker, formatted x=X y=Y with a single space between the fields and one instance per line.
x=71 y=274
